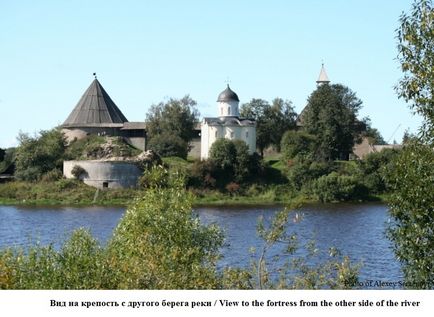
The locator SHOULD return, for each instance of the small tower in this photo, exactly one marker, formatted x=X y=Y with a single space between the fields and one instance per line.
x=322 y=78
x=228 y=102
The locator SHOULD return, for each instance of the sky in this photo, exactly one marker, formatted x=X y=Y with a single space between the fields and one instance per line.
x=145 y=52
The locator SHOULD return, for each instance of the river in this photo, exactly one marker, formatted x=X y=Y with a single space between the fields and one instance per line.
x=357 y=230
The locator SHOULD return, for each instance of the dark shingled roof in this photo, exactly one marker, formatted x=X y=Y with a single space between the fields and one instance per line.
x=95 y=108
x=228 y=95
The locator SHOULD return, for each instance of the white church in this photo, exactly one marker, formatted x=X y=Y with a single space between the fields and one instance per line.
x=227 y=125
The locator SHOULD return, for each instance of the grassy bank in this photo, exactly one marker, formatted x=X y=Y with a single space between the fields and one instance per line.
x=75 y=193
x=63 y=192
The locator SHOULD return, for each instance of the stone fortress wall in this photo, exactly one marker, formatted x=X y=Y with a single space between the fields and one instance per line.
x=105 y=174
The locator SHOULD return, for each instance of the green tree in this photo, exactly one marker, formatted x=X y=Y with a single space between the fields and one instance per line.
x=8 y=163
x=411 y=178
x=160 y=244
x=224 y=154
x=271 y=120
x=374 y=136
x=2 y=154
x=175 y=118
x=38 y=155
x=416 y=55
x=233 y=159
x=412 y=175
x=331 y=116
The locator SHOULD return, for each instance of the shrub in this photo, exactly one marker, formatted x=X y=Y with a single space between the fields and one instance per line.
x=243 y=160
x=7 y=164
x=202 y=174
x=52 y=176
x=233 y=160
x=30 y=173
x=63 y=184
x=77 y=171
x=156 y=176
x=38 y=155
x=297 y=143
x=169 y=145
x=78 y=265
x=224 y=154
x=159 y=244
x=335 y=187
x=303 y=172
x=233 y=188
x=373 y=167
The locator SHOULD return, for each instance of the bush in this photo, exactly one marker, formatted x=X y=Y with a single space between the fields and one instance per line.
x=373 y=167
x=7 y=163
x=297 y=143
x=303 y=172
x=335 y=187
x=30 y=173
x=156 y=176
x=233 y=160
x=232 y=188
x=224 y=154
x=202 y=174
x=169 y=145
x=159 y=244
x=38 y=155
x=63 y=184
x=52 y=176
x=78 y=265
x=77 y=171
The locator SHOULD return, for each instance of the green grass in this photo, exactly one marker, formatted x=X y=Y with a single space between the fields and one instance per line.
x=63 y=192
x=175 y=161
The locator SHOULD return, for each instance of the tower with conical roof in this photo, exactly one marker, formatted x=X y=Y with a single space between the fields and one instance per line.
x=228 y=124
x=97 y=114
x=322 y=78
x=95 y=109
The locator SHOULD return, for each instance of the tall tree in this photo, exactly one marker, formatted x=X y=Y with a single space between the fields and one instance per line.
x=272 y=120
x=416 y=55
x=172 y=122
x=374 y=136
x=331 y=116
x=412 y=175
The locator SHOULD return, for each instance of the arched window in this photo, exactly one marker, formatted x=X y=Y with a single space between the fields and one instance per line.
x=221 y=111
x=216 y=134
x=229 y=111
x=247 y=134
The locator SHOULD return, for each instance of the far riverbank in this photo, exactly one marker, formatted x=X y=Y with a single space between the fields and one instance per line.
x=75 y=194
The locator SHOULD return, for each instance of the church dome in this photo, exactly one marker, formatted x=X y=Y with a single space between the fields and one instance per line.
x=228 y=95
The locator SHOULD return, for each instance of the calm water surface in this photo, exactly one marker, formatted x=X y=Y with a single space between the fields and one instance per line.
x=356 y=230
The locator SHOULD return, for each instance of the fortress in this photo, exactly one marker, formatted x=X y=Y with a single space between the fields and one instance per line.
x=97 y=114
